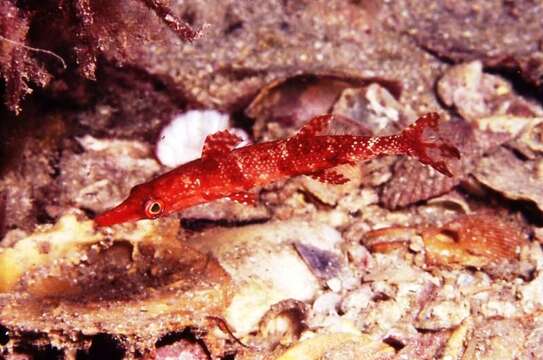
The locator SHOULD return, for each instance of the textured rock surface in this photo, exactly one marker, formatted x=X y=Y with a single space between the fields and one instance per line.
x=378 y=268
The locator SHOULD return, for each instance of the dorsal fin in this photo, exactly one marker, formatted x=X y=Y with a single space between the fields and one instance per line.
x=219 y=143
x=316 y=126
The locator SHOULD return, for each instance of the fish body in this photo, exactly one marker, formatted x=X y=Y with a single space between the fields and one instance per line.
x=224 y=171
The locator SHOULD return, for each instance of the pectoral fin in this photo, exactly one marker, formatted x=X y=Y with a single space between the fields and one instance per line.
x=330 y=177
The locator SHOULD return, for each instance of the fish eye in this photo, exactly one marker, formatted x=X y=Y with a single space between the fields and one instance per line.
x=153 y=208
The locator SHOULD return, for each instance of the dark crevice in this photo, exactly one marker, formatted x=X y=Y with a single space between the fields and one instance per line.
x=395 y=343
x=202 y=224
x=233 y=27
x=104 y=346
x=494 y=199
x=48 y=352
x=240 y=120
x=435 y=54
x=170 y=338
x=189 y=16
x=132 y=75
x=229 y=357
x=189 y=334
x=3 y=230
x=521 y=86
x=4 y=335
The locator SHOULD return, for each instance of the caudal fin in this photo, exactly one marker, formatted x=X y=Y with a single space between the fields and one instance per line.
x=424 y=142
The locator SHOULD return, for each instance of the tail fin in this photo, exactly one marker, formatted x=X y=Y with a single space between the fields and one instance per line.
x=424 y=142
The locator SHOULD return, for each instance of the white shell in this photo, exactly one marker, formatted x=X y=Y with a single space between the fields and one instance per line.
x=182 y=140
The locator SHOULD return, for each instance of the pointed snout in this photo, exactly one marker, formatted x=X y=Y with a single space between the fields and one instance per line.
x=126 y=211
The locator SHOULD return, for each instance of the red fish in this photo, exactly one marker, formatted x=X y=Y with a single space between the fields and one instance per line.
x=224 y=171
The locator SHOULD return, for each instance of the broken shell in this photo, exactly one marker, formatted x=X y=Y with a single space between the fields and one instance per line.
x=513 y=125
x=532 y=135
x=424 y=346
x=324 y=264
x=515 y=179
x=361 y=347
x=472 y=240
x=356 y=301
x=534 y=338
x=476 y=94
x=326 y=304
x=389 y=239
x=382 y=102
x=261 y=259
x=457 y=81
x=441 y=314
x=295 y=100
x=284 y=321
x=456 y=342
x=374 y=106
x=451 y=200
x=250 y=302
x=182 y=140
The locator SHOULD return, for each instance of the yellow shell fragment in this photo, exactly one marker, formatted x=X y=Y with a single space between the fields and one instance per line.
x=44 y=246
x=315 y=348
x=456 y=343
x=513 y=125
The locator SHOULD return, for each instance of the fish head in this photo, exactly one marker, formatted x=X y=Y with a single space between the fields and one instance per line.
x=142 y=203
